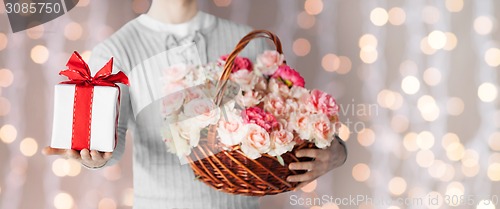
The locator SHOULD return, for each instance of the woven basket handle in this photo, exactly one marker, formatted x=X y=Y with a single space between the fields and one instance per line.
x=228 y=67
x=239 y=47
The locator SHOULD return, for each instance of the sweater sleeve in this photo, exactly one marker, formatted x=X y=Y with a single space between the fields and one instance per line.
x=100 y=55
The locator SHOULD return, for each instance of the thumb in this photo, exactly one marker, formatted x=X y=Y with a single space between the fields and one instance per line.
x=53 y=151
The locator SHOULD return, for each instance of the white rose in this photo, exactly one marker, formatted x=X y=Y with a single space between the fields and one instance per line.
x=246 y=79
x=177 y=144
x=231 y=130
x=249 y=98
x=301 y=124
x=203 y=112
x=269 y=61
x=298 y=92
x=177 y=72
x=282 y=142
x=322 y=130
x=278 y=87
x=256 y=142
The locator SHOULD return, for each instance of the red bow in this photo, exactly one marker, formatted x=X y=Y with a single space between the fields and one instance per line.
x=78 y=72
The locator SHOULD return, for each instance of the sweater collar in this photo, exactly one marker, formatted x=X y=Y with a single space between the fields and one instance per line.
x=201 y=21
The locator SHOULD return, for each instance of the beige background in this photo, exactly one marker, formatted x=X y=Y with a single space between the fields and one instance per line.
x=429 y=132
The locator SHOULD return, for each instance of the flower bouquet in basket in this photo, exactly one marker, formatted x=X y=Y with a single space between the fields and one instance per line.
x=239 y=134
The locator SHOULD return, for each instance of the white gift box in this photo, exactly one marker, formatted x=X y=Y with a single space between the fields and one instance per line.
x=104 y=112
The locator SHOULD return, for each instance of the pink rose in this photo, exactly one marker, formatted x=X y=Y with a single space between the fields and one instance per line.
x=177 y=72
x=246 y=79
x=240 y=63
x=275 y=104
x=269 y=61
x=256 y=142
x=321 y=102
x=257 y=116
x=277 y=87
x=249 y=98
x=289 y=76
x=322 y=130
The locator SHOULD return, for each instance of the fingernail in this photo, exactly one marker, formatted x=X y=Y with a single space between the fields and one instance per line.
x=289 y=179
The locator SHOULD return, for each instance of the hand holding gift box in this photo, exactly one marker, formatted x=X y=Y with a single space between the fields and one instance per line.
x=86 y=108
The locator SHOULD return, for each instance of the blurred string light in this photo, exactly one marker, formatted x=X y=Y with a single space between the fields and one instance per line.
x=6 y=78
x=83 y=3
x=301 y=47
x=128 y=197
x=432 y=76
x=73 y=31
x=410 y=141
x=107 y=203
x=330 y=62
x=310 y=187
x=454 y=5
x=63 y=167
x=330 y=205
x=430 y=15
x=487 y=92
x=39 y=54
x=492 y=57
x=379 y=16
x=483 y=25
x=451 y=41
x=28 y=147
x=313 y=7
x=410 y=85
x=494 y=141
x=305 y=21
x=485 y=204
x=8 y=133
x=397 y=16
x=35 y=32
x=397 y=186
x=366 y=137
x=361 y=172
x=63 y=201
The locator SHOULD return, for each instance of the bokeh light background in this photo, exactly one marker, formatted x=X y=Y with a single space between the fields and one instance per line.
x=418 y=82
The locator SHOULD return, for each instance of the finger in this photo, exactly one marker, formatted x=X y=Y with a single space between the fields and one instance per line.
x=96 y=156
x=73 y=154
x=308 y=176
x=301 y=166
x=85 y=155
x=312 y=153
x=53 y=151
x=107 y=155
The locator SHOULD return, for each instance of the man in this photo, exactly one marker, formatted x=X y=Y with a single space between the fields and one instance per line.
x=160 y=181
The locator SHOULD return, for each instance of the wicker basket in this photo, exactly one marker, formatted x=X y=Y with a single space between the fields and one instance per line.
x=230 y=170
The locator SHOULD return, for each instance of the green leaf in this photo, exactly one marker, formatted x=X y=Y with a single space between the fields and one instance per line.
x=280 y=159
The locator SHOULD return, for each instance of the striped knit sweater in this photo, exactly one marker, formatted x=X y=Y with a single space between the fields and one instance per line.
x=160 y=181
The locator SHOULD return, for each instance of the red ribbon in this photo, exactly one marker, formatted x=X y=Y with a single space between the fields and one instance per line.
x=78 y=73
